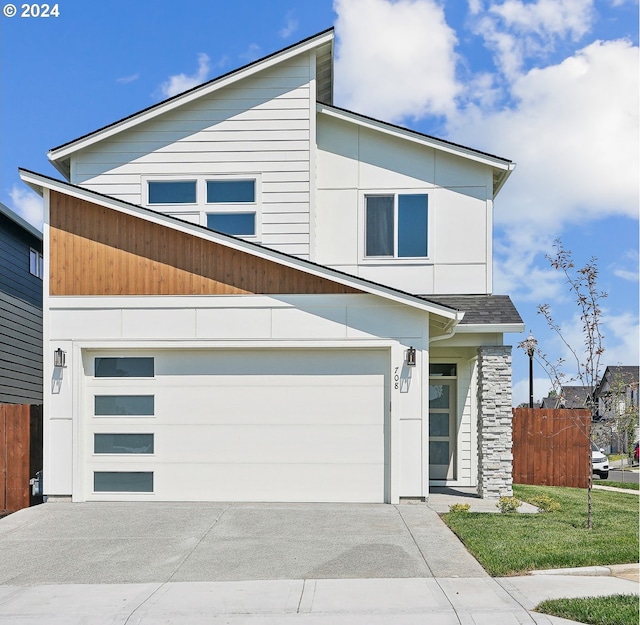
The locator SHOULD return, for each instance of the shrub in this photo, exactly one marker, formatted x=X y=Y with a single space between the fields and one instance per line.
x=544 y=503
x=459 y=507
x=508 y=504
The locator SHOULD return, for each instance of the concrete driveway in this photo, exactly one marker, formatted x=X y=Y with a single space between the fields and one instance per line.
x=115 y=543
x=256 y=564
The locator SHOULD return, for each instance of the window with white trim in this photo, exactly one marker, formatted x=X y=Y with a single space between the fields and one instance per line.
x=396 y=225
x=172 y=191
x=36 y=263
x=229 y=204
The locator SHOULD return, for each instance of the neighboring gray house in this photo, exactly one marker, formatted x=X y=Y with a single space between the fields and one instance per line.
x=618 y=390
x=21 y=269
x=570 y=397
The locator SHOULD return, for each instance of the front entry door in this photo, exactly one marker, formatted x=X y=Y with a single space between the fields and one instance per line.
x=442 y=429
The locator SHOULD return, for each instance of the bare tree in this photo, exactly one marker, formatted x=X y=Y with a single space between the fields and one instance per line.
x=582 y=284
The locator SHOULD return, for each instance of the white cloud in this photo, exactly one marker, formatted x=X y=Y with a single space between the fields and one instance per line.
x=520 y=393
x=574 y=134
x=290 y=27
x=622 y=272
x=395 y=59
x=125 y=80
x=630 y=276
x=517 y=30
x=251 y=53
x=622 y=338
x=563 y=18
x=28 y=205
x=182 y=82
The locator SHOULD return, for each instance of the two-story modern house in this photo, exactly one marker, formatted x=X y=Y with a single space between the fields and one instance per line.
x=254 y=295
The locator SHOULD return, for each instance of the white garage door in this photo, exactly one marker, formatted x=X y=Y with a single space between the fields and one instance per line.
x=243 y=425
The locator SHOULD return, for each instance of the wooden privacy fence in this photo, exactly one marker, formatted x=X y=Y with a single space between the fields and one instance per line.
x=20 y=454
x=551 y=447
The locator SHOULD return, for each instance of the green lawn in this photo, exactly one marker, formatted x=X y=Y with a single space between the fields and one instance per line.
x=510 y=544
x=627 y=485
x=612 y=610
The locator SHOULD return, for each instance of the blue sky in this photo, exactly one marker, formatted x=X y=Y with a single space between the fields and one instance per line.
x=549 y=84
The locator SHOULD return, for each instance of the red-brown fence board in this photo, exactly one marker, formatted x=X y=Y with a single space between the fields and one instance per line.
x=551 y=447
x=20 y=453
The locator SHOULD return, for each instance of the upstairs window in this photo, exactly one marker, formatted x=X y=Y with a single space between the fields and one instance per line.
x=172 y=192
x=230 y=201
x=228 y=204
x=36 y=264
x=238 y=224
x=231 y=191
x=396 y=226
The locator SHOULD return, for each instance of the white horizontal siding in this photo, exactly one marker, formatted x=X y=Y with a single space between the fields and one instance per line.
x=257 y=127
x=285 y=218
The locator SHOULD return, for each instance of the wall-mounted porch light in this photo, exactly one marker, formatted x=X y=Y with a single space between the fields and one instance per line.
x=59 y=358
x=411 y=357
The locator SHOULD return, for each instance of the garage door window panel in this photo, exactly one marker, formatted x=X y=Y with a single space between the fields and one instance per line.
x=128 y=367
x=123 y=443
x=124 y=405
x=123 y=481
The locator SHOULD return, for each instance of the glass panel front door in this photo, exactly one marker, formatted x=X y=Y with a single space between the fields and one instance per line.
x=442 y=429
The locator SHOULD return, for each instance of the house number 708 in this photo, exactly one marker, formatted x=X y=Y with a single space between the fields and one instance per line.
x=396 y=379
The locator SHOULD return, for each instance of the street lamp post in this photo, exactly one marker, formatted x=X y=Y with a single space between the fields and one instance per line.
x=530 y=347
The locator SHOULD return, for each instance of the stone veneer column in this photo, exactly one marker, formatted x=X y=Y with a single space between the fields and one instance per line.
x=495 y=459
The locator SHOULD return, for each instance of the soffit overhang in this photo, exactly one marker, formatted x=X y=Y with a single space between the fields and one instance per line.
x=442 y=315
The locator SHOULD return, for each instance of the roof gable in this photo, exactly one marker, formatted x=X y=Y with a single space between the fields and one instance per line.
x=322 y=43
x=501 y=167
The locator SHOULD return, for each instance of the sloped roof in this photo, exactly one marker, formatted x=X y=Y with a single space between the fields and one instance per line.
x=502 y=167
x=322 y=42
x=25 y=225
x=628 y=374
x=38 y=182
x=482 y=310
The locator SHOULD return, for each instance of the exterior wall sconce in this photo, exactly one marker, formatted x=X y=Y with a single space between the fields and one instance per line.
x=59 y=358
x=411 y=357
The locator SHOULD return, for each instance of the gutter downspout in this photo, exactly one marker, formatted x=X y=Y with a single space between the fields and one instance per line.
x=450 y=329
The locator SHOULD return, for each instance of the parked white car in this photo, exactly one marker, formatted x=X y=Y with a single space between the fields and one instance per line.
x=600 y=462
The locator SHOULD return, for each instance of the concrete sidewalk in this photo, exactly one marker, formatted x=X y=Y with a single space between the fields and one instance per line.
x=408 y=601
x=258 y=564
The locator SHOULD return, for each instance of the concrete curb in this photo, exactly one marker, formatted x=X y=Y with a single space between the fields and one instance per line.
x=613 y=570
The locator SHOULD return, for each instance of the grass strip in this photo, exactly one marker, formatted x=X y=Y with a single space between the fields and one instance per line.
x=626 y=485
x=511 y=544
x=611 y=610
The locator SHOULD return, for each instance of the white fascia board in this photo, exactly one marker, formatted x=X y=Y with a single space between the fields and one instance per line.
x=409 y=135
x=38 y=183
x=189 y=96
x=488 y=328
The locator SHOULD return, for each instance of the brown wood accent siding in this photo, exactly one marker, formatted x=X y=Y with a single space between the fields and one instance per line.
x=99 y=251
x=551 y=447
